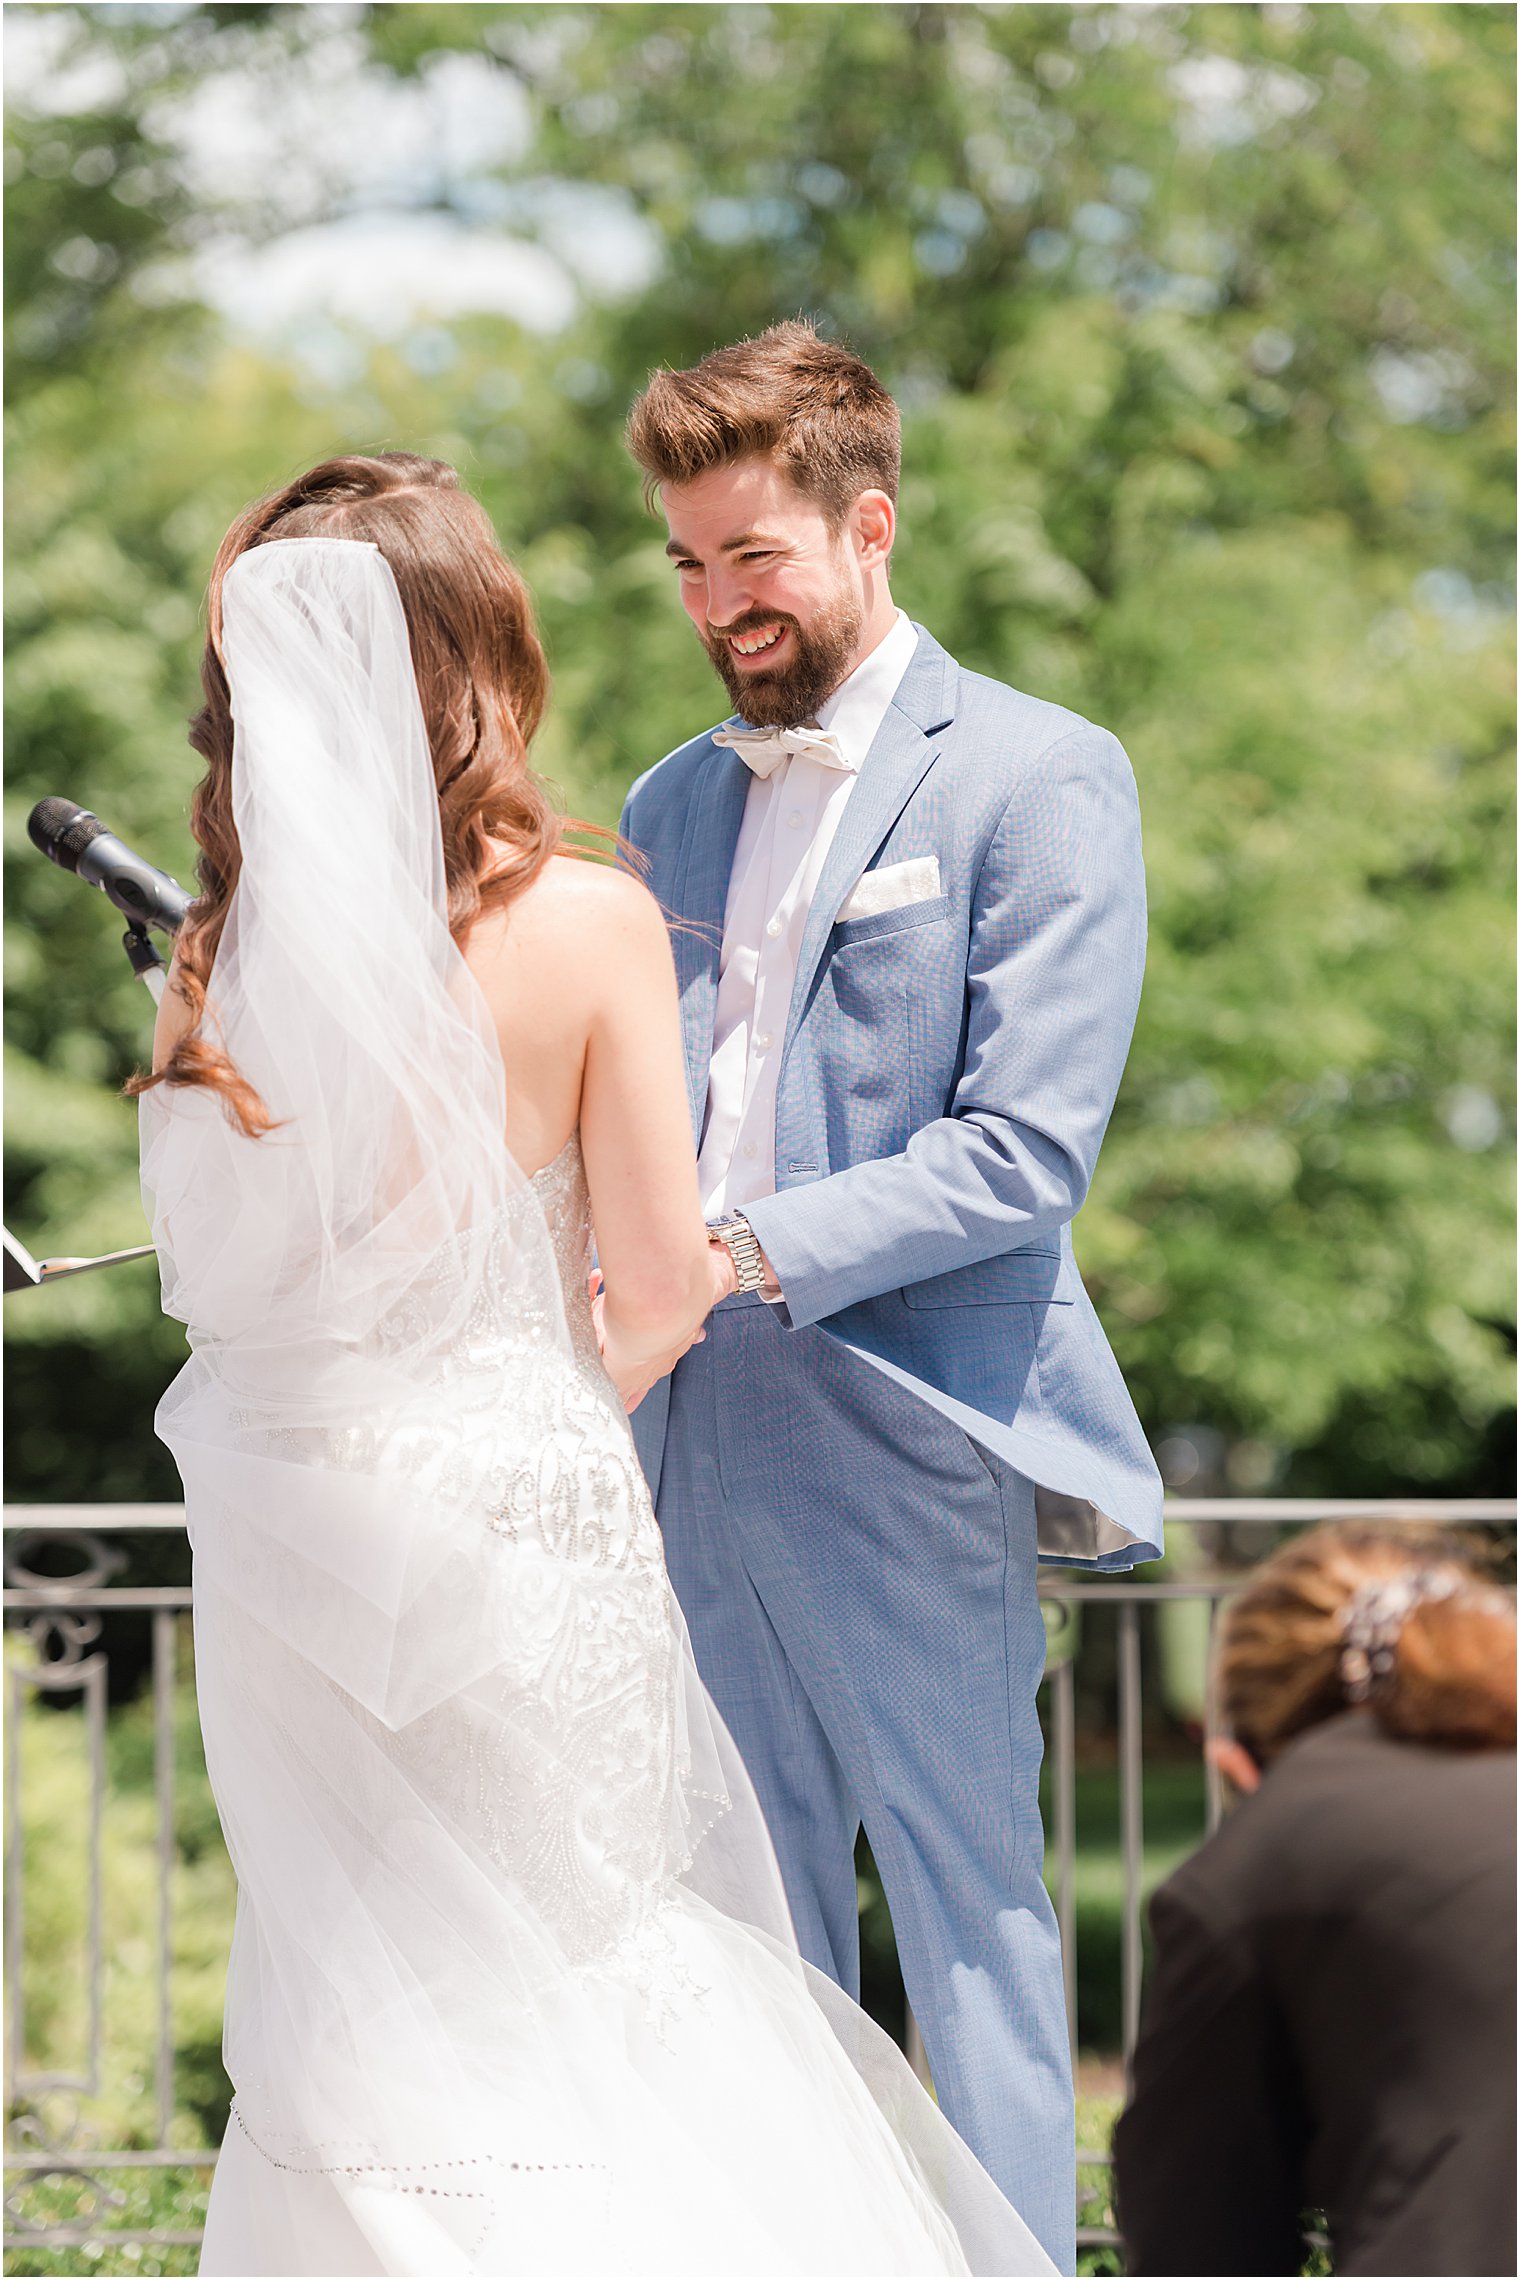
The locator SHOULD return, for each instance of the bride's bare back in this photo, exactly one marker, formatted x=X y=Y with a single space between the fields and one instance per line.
x=542 y=963
x=579 y=978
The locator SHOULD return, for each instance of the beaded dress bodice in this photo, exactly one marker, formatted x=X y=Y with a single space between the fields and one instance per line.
x=565 y=1198
x=568 y=1779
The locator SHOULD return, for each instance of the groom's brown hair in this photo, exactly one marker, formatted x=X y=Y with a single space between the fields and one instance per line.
x=786 y=395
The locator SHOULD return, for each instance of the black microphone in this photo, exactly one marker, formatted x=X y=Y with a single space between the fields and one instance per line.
x=78 y=841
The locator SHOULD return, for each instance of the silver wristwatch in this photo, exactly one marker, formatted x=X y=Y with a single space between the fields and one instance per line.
x=743 y=1246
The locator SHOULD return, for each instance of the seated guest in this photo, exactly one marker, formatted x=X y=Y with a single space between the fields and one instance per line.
x=1331 y=2018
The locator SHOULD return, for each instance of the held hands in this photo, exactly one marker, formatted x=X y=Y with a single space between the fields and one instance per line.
x=634 y=1376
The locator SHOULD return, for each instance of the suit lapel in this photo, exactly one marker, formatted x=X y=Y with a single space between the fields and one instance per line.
x=905 y=748
x=701 y=893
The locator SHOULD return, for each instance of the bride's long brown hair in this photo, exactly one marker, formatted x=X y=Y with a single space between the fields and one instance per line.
x=483 y=682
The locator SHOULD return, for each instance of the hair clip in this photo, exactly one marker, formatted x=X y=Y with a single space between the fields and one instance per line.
x=1374 y=1616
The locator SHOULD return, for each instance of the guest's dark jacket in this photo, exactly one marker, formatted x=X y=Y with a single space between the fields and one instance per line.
x=1331 y=2022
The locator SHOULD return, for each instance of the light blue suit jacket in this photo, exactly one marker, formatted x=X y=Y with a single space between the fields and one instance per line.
x=948 y=1071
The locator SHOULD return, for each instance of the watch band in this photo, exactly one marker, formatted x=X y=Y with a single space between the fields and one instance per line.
x=742 y=1244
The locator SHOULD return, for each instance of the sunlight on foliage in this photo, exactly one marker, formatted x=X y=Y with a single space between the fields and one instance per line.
x=1201 y=323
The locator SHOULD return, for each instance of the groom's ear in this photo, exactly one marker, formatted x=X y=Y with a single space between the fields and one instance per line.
x=872 y=524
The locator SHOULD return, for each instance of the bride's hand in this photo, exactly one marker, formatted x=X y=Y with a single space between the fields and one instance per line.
x=632 y=1377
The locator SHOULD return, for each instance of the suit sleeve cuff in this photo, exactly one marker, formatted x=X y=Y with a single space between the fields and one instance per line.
x=804 y=1297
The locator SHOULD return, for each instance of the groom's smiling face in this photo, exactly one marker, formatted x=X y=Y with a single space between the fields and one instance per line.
x=784 y=597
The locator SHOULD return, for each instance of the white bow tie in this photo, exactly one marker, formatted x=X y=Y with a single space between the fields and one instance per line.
x=764 y=749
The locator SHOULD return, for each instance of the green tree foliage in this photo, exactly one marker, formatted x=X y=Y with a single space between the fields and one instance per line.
x=1201 y=323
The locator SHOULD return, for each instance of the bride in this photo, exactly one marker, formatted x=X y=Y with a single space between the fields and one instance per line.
x=513 y=1987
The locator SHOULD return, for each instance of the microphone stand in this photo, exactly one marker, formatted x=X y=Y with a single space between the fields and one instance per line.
x=22 y=1271
x=144 y=960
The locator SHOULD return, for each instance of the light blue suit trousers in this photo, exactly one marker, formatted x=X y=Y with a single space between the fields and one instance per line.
x=859 y=1584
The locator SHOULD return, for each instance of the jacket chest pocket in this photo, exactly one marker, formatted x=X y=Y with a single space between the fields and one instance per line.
x=875 y=963
x=881 y=925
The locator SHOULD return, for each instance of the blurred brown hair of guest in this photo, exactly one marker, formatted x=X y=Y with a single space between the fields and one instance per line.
x=1450 y=1678
x=482 y=679
x=787 y=395
x=1330 y=2019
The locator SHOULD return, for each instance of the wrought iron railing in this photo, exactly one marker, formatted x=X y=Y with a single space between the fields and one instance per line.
x=55 y=1624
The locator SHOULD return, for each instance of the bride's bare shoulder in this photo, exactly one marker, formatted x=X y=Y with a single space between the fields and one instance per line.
x=579 y=894
x=585 y=918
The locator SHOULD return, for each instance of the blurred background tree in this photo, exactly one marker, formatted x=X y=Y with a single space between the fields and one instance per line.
x=1201 y=323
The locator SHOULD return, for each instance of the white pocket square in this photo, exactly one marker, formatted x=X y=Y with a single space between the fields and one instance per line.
x=893 y=886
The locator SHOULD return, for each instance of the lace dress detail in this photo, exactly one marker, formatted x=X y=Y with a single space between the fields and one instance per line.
x=562 y=1767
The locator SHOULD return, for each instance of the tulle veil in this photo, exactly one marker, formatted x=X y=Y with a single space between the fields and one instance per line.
x=511 y=1988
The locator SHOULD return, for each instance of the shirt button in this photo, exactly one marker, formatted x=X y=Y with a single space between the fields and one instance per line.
x=774 y=928
x=795 y=818
x=749 y=1148
x=765 y=1041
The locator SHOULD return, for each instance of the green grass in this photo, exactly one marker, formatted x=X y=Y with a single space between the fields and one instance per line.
x=1097 y=2113
x=170 y=2201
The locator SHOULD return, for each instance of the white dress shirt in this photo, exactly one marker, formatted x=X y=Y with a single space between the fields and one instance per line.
x=790 y=819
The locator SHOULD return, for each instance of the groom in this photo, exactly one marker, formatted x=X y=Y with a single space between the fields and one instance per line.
x=914 y=924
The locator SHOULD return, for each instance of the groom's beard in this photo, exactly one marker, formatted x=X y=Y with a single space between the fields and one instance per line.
x=818 y=659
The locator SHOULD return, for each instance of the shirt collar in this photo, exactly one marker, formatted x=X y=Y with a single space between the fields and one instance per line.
x=858 y=706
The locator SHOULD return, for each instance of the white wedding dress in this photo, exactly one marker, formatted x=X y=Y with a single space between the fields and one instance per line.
x=513 y=1987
